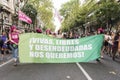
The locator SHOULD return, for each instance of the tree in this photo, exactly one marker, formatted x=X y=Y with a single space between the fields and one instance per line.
x=45 y=13
x=74 y=14
x=69 y=12
x=102 y=13
x=30 y=11
x=108 y=13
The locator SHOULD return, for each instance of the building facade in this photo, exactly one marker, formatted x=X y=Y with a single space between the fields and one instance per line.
x=9 y=12
x=6 y=13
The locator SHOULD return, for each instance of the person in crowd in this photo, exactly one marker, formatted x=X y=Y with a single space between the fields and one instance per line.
x=49 y=32
x=119 y=44
x=4 y=46
x=82 y=35
x=59 y=34
x=38 y=30
x=105 y=44
x=76 y=35
x=14 y=40
x=64 y=36
x=110 y=43
x=70 y=35
x=100 y=30
x=115 y=45
x=54 y=35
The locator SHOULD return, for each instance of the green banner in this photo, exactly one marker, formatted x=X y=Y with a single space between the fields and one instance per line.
x=40 y=48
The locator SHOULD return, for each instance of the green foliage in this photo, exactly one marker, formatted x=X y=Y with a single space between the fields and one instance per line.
x=108 y=12
x=98 y=13
x=69 y=12
x=44 y=9
x=30 y=11
x=74 y=14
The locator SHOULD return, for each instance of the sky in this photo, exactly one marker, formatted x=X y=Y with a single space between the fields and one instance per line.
x=57 y=5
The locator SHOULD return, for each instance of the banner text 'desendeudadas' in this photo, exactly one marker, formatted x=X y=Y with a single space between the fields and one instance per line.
x=40 y=48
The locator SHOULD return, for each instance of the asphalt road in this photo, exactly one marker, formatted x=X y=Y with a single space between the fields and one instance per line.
x=105 y=70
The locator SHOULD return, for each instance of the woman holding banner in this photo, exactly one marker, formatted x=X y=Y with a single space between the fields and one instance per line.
x=115 y=45
x=14 y=39
x=119 y=44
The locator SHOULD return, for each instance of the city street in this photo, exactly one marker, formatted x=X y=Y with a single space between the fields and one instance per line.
x=104 y=70
x=60 y=39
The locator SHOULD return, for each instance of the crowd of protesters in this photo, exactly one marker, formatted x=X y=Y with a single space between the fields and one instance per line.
x=111 y=43
x=9 y=41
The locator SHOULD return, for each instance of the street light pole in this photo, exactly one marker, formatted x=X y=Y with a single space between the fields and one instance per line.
x=2 y=20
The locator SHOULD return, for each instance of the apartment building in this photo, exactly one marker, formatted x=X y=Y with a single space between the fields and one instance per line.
x=9 y=12
x=6 y=12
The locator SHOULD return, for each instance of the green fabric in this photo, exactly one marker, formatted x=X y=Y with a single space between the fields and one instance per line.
x=40 y=48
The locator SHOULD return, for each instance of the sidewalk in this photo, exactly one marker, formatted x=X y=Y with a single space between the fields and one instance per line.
x=6 y=58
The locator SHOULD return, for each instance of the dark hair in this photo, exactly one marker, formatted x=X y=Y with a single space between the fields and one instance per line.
x=38 y=30
x=48 y=32
x=12 y=28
